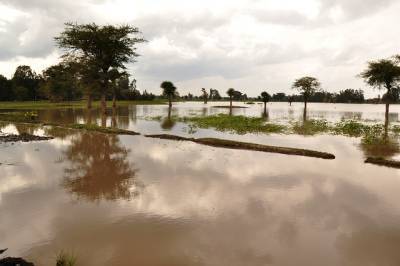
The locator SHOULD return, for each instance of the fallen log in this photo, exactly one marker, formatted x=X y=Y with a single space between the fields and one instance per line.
x=230 y=144
x=383 y=162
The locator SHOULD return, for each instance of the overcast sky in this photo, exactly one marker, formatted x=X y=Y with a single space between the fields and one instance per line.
x=250 y=45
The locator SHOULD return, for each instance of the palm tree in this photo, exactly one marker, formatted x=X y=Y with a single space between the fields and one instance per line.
x=205 y=95
x=231 y=93
x=169 y=90
x=265 y=97
x=307 y=86
x=383 y=73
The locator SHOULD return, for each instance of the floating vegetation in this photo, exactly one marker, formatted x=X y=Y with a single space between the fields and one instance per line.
x=350 y=128
x=235 y=124
x=310 y=127
x=96 y=128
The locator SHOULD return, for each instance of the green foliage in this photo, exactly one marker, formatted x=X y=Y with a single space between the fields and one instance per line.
x=65 y=259
x=384 y=72
x=307 y=86
x=265 y=97
x=169 y=89
x=350 y=128
x=236 y=124
x=310 y=127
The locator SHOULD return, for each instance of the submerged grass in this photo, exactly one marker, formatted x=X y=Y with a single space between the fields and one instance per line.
x=96 y=128
x=310 y=127
x=236 y=124
x=65 y=259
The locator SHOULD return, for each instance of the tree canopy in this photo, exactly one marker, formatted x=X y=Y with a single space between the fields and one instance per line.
x=307 y=86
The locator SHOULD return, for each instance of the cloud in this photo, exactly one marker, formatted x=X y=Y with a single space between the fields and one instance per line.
x=240 y=43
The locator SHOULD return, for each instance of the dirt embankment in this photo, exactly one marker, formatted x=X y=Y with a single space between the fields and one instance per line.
x=23 y=137
x=383 y=162
x=230 y=144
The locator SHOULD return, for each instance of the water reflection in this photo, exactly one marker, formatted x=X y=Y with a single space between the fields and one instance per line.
x=99 y=169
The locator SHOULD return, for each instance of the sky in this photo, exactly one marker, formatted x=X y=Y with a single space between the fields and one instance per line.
x=249 y=45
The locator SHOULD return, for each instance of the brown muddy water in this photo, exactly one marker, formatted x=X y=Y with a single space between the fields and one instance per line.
x=131 y=200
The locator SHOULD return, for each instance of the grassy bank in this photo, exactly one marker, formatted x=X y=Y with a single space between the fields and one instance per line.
x=38 y=105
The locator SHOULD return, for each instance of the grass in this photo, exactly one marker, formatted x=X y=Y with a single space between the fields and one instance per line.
x=236 y=124
x=38 y=105
x=65 y=259
x=310 y=127
x=96 y=128
x=22 y=117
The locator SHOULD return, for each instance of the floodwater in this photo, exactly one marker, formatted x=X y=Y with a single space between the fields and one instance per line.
x=131 y=200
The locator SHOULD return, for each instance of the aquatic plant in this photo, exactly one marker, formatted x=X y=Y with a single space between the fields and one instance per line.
x=350 y=128
x=65 y=259
x=236 y=124
x=310 y=127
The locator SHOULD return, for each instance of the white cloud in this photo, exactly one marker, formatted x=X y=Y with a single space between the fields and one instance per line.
x=252 y=44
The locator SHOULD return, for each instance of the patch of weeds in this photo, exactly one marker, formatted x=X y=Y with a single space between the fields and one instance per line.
x=23 y=117
x=310 y=127
x=236 y=124
x=65 y=259
x=350 y=128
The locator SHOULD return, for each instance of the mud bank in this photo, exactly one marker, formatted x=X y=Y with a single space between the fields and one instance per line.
x=230 y=144
x=24 y=137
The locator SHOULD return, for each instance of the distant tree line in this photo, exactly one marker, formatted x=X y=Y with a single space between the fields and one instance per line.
x=63 y=82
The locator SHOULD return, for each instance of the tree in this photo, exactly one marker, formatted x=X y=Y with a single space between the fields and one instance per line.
x=61 y=82
x=26 y=83
x=383 y=73
x=307 y=86
x=231 y=93
x=169 y=91
x=6 y=90
x=205 y=95
x=265 y=97
x=103 y=47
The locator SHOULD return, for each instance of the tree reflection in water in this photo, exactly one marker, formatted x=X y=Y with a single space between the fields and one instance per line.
x=100 y=169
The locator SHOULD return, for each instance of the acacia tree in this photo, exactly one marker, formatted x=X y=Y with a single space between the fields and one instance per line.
x=307 y=86
x=383 y=73
x=169 y=91
x=265 y=97
x=104 y=47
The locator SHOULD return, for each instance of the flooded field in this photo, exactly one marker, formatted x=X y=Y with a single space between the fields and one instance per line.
x=132 y=200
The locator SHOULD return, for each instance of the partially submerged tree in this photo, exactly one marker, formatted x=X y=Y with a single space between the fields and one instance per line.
x=205 y=95
x=231 y=93
x=265 y=97
x=104 y=47
x=307 y=86
x=384 y=73
x=169 y=91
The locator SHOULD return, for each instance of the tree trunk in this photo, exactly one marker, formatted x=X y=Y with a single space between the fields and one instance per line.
x=89 y=101
x=114 y=101
x=387 y=118
x=265 y=107
x=170 y=101
x=305 y=111
x=103 y=104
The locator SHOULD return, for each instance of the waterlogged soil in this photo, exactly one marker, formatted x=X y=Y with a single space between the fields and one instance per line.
x=113 y=199
x=23 y=137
